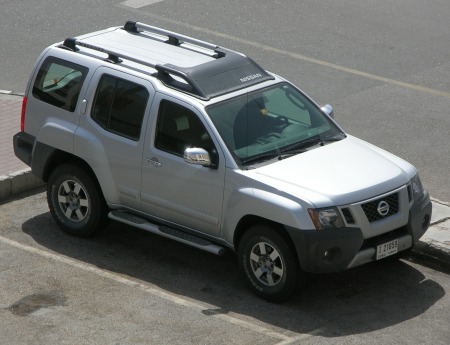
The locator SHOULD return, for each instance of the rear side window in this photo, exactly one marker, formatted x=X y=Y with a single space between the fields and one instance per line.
x=119 y=106
x=59 y=83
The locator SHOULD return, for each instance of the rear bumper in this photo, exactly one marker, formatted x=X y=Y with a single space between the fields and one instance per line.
x=339 y=249
x=23 y=147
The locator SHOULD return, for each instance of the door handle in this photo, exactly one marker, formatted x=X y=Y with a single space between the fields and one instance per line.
x=154 y=161
x=83 y=106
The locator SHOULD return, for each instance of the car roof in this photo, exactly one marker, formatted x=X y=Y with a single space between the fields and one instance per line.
x=199 y=68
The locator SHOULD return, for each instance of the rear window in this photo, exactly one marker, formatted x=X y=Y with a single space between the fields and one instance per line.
x=59 y=83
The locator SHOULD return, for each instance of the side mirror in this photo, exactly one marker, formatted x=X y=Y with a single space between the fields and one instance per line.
x=328 y=109
x=197 y=156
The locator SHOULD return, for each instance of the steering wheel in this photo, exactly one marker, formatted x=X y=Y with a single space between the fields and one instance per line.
x=282 y=122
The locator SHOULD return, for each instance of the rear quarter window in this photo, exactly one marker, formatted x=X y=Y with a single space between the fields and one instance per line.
x=59 y=82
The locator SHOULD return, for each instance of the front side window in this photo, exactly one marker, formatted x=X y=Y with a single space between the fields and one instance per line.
x=59 y=83
x=269 y=122
x=119 y=106
x=178 y=128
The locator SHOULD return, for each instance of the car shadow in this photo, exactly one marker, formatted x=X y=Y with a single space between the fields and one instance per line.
x=364 y=299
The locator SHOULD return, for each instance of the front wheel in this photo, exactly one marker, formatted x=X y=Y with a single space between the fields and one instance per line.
x=269 y=263
x=75 y=201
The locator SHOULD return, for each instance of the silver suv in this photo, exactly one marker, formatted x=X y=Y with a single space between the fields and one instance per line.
x=199 y=144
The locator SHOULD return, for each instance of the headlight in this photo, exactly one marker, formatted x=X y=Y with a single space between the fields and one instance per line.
x=416 y=187
x=326 y=218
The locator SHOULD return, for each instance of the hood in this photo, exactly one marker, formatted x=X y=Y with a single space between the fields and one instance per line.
x=338 y=173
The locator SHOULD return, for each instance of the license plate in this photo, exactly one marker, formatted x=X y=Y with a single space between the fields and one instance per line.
x=386 y=249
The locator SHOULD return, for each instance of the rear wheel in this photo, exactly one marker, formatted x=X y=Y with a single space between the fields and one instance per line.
x=269 y=263
x=75 y=201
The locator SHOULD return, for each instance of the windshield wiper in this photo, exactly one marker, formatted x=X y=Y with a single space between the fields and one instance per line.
x=302 y=146
x=292 y=150
x=260 y=157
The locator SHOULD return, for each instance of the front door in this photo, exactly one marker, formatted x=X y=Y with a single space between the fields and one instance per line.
x=173 y=190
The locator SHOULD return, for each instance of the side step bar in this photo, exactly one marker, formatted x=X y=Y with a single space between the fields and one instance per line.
x=174 y=234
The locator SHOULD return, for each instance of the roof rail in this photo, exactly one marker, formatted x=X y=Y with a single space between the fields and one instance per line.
x=164 y=71
x=173 y=37
x=227 y=71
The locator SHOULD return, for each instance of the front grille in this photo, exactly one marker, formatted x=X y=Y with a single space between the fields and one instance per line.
x=371 y=208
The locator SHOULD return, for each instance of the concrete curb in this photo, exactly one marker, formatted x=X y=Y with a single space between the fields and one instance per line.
x=432 y=253
x=12 y=93
x=434 y=246
x=18 y=182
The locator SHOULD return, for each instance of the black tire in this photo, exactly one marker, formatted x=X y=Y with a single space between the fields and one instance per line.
x=75 y=201
x=269 y=263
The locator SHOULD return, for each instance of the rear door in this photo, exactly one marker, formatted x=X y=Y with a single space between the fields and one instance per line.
x=117 y=107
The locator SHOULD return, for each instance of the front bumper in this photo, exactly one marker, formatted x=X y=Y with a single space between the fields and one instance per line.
x=335 y=250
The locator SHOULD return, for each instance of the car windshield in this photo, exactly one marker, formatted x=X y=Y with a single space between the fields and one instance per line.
x=271 y=122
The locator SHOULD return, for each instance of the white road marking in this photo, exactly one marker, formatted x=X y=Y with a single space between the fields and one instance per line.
x=148 y=288
x=139 y=3
x=295 y=340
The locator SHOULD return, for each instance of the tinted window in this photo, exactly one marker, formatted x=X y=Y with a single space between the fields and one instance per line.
x=119 y=106
x=59 y=83
x=178 y=128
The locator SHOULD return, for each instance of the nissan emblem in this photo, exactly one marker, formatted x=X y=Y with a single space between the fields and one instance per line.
x=383 y=208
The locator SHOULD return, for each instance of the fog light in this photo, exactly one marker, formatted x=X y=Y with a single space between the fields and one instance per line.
x=331 y=254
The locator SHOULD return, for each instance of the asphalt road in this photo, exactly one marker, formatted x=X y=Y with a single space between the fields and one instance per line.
x=131 y=287
x=384 y=66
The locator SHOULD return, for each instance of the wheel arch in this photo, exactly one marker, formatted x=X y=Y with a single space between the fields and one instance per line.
x=46 y=158
x=248 y=221
x=57 y=158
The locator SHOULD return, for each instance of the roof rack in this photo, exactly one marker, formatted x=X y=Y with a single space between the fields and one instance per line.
x=164 y=71
x=173 y=37
x=227 y=71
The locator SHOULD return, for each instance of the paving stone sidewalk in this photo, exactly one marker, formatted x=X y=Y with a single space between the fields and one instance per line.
x=16 y=177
